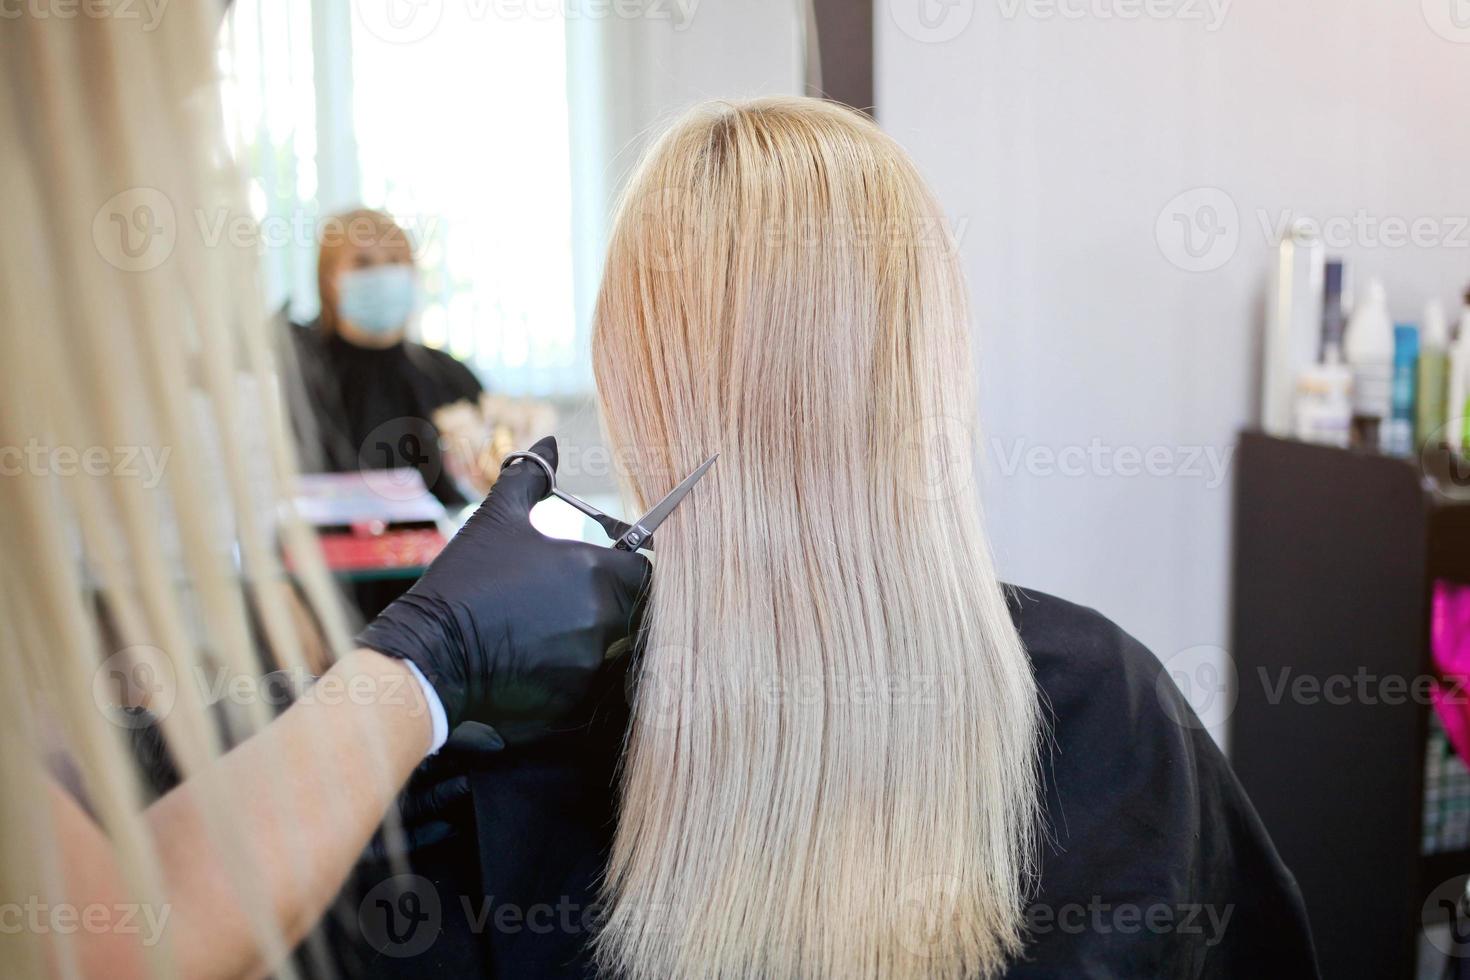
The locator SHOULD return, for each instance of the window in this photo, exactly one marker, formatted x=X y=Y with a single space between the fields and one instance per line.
x=266 y=65
x=459 y=128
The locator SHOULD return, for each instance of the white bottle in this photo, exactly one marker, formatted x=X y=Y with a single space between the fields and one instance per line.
x=1324 y=406
x=1369 y=350
x=1293 y=326
x=1455 y=407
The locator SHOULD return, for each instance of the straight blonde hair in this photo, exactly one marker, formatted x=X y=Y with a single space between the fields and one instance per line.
x=832 y=769
x=126 y=335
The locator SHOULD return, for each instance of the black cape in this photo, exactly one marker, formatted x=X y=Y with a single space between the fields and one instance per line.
x=1156 y=865
x=356 y=407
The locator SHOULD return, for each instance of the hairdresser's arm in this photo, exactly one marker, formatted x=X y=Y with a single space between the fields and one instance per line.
x=296 y=830
x=509 y=627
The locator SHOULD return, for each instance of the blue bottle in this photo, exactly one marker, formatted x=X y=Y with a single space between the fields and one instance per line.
x=1398 y=436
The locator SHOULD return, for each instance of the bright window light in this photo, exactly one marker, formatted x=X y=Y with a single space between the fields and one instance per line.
x=463 y=135
x=460 y=132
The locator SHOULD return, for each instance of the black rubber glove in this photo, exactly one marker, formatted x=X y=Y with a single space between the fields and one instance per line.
x=508 y=625
x=437 y=802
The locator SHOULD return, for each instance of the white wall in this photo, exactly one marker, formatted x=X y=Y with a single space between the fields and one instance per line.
x=1057 y=143
x=627 y=77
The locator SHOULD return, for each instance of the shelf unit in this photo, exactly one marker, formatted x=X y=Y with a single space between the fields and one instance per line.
x=1335 y=558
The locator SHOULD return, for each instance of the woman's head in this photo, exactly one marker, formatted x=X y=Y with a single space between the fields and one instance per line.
x=781 y=281
x=832 y=769
x=366 y=278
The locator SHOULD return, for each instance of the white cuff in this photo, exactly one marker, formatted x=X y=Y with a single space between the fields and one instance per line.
x=436 y=709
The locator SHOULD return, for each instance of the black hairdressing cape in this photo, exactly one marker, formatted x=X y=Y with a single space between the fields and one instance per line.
x=361 y=408
x=1156 y=865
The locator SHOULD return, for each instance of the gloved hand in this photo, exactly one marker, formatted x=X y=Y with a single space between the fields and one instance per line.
x=510 y=626
x=437 y=802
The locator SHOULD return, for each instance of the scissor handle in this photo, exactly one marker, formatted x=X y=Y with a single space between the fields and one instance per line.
x=626 y=537
x=524 y=454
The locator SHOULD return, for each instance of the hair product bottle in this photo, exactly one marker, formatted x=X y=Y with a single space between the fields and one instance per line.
x=1369 y=349
x=1398 y=432
x=1293 y=338
x=1433 y=372
x=1335 y=304
x=1456 y=431
x=1324 y=404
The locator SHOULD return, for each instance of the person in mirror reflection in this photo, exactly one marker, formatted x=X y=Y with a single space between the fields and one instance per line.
x=370 y=393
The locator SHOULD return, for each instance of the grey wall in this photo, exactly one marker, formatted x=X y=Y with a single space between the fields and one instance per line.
x=1058 y=137
x=628 y=77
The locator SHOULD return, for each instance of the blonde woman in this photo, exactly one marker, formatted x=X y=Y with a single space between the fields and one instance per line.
x=127 y=337
x=372 y=392
x=852 y=753
x=851 y=756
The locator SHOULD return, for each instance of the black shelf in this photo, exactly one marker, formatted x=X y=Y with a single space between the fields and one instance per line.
x=1335 y=558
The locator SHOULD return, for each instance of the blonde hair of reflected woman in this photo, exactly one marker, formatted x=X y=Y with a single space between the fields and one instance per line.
x=832 y=769
x=123 y=330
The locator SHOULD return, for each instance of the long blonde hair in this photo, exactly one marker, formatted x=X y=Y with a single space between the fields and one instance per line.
x=144 y=443
x=832 y=767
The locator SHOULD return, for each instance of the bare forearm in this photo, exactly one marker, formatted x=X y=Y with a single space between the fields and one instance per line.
x=303 y=796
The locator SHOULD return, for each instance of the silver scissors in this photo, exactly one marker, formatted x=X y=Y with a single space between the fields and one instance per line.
x=626 y=537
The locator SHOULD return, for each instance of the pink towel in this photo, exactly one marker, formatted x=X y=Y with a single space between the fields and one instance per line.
x=1449 y=641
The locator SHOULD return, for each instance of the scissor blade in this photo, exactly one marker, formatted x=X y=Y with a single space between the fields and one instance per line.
x=583 y=506
x=644 y=527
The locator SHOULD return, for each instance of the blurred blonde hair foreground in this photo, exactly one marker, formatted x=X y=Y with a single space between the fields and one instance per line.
x=124 y=333
x=832 y=769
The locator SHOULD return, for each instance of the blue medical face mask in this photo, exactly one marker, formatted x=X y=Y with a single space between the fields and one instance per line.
x=379 y=299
